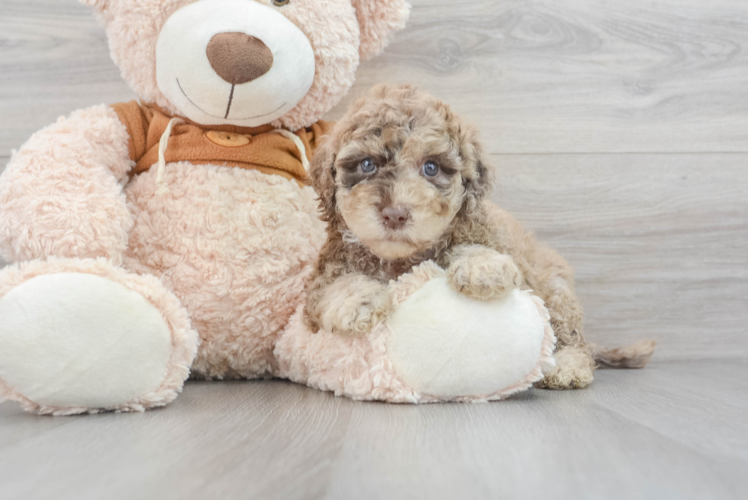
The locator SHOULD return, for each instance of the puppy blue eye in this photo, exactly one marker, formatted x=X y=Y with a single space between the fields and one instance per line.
x=430 y=169
x=367 y=166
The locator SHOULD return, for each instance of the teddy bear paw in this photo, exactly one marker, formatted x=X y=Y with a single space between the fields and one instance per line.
x=74 y=342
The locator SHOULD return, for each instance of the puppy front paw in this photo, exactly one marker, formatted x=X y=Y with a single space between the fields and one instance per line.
x=358 y=312
x=484 y=274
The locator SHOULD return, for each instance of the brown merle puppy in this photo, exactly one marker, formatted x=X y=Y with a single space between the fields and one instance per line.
x=401 y=180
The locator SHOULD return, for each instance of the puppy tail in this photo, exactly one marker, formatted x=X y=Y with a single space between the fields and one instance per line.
x=634 y=355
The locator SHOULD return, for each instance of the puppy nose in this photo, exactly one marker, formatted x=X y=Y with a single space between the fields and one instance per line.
x=239 y=58
x=395 y=217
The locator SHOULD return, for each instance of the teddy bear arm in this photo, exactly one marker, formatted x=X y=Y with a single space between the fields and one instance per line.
x=61 y=193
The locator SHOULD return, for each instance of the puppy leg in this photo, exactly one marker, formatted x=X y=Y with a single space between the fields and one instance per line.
x=552 y=279
x=573 y=370
x=574 y=363
x=352 y=305
x=482 y=273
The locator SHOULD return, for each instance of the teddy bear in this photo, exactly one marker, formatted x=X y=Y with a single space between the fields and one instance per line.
x=154 y=239
x=171 y=237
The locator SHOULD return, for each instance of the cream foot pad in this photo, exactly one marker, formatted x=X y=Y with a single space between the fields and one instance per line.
x=80 y=340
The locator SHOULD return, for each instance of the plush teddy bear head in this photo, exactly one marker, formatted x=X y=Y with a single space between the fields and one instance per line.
x=246 y=62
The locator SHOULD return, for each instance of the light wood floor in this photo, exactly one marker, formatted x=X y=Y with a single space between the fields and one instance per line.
x=620 y=130
x=674 y=430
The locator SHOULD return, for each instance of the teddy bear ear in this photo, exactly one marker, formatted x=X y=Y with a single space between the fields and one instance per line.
x=378 y=21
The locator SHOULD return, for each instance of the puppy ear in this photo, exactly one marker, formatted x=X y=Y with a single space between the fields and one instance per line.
x=378 y=21
x=481 y=184
x=322 y=175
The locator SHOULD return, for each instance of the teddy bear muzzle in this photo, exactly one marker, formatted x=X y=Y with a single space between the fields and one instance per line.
x=215 y=58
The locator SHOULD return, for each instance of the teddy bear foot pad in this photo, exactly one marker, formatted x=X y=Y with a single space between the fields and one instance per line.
x=74 y=342
x=468 y=348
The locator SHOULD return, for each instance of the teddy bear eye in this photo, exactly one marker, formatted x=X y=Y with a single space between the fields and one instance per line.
x=430 y=169
x=281 y=3
x=367 y=165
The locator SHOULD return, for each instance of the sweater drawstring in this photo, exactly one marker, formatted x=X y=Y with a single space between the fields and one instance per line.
x=161 y=186
x=299 y=145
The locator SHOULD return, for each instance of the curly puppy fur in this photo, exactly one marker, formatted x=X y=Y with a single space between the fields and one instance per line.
x=401 y=180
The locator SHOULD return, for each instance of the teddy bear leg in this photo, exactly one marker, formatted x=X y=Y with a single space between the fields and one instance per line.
x=83 y=336
x=436 y=345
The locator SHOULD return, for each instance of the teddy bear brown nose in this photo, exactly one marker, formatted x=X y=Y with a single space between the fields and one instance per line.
x=395 y=217
x=239 y=58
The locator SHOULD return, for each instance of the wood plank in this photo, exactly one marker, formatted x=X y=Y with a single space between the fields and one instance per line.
x=53 y=60
x=542 y=445
x=695 y=392
x=672 y=430
x=537 y=76
x=579 y=75
x=659 y=242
